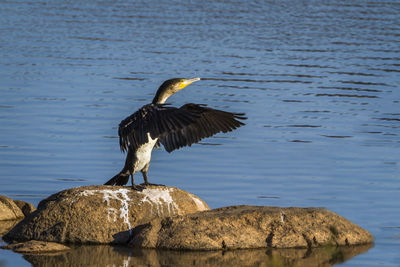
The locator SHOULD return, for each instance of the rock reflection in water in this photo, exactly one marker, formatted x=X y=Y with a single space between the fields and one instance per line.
x=125 y=256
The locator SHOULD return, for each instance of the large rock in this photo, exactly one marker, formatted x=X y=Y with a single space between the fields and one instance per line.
x=250 y=227
x=9 y=210
x=101 y=214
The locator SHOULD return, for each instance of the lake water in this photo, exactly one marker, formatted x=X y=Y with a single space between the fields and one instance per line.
x=318 y=80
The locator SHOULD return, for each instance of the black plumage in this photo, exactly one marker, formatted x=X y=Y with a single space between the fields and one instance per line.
x=172 y=127
x=176 y=127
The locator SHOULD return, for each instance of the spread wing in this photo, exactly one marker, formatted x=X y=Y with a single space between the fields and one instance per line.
x=154 y=119
x=206 y=122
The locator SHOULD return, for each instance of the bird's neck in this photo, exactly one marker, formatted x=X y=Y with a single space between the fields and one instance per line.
x=160 y=97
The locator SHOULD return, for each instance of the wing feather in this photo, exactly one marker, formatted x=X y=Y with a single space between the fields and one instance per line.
x=176 y=127
x=153 y=119
x=207 y=123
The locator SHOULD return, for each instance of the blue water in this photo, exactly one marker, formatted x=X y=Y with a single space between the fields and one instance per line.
x=318 y=80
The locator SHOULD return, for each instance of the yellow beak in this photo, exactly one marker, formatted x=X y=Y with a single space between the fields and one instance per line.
x=187 y=82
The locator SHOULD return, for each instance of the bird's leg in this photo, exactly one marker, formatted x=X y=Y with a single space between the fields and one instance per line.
x=134 y=186
x=129 y=164
x=133 y=179
x=145 y=178
x=144 y=173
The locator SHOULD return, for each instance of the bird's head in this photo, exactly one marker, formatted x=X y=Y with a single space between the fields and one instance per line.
x=170 y=87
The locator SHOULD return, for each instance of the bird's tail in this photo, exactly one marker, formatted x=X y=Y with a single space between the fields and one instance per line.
x=121 y=178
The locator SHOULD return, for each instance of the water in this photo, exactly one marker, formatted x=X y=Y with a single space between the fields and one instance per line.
x=318 y=80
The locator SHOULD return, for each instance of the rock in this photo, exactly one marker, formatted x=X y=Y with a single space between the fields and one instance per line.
x=101 y=214
x=26 y=207
x=6 y=226
x=14 y=209
x=33 y=247
x=9 y=210
x=250 y=227
x=101 y=255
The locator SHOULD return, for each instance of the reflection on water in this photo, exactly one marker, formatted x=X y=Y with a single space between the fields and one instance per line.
x=123 y=256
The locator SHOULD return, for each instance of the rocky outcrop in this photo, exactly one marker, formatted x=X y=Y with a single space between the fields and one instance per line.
x=250 y=227
x=26 y=207
x=14 y=209
x=36 y=247
x=101 y=214
x=6 y=226
x=167 y=217
x=9 y=210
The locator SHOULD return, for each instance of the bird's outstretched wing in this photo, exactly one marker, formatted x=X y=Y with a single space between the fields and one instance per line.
x=206 y=122
x=155 y=119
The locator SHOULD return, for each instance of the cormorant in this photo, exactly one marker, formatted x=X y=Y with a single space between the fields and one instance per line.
x=158 y=122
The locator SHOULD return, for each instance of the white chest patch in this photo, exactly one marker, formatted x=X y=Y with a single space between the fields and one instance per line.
x=143 y=154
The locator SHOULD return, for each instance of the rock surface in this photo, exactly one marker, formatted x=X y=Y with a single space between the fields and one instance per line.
x=6 y=226
x=250 y=227
x=9 y=210
x=34 y=247
x=101 y=214
x=26 y=207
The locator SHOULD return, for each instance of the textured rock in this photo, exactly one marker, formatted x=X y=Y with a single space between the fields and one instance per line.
x=26 y=207
x=124 y=256
x=34 y=247
x=9 y=210
x=250 y=227
x=101 y=214
x=6 y=226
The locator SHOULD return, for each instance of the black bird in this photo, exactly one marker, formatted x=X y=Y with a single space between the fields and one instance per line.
x=173 y=127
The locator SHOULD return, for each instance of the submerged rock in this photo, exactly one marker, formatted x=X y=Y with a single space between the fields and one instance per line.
x=250 y=227
x=9 y=210
x=36 y=247
x=101 y=214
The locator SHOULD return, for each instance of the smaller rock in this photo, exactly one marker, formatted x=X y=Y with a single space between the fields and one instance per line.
x=26 y=207
x=243 y=227
x=36 y=247
x=9 y=210
x=6 y=226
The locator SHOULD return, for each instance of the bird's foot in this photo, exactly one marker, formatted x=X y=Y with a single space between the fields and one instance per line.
x=150 y=184
x=138 y=187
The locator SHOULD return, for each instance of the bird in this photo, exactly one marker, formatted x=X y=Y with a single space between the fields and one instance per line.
x=173 y=127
